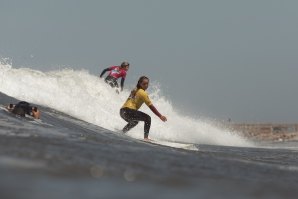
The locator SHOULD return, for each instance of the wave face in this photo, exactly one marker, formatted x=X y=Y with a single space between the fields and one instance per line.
x=84 y=96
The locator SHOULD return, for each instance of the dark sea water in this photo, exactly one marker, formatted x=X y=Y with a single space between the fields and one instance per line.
x=62 y=157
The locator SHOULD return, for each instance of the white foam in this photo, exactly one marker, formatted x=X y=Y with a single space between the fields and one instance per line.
x=86 y=97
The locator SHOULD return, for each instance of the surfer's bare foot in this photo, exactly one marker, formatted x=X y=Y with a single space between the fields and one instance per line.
x=147 y=139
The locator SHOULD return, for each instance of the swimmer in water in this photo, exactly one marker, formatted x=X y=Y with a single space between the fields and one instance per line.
x=129 y=111
x=116 y=72
x=23 y=108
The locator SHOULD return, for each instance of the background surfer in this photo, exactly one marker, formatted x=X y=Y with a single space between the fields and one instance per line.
x=116 y=72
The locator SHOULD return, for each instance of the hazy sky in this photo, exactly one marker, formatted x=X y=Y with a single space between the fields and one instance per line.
x=217 y=58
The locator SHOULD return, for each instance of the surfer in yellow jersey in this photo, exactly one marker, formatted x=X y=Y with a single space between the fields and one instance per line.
x=129 y=111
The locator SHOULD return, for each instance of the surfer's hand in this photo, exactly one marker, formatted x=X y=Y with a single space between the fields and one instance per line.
x=163 y=118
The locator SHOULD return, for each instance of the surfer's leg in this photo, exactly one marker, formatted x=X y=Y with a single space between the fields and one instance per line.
x=113 y=84
x=116 y=84
x=133 y=117
x=128 y=116
x=111 y=81
x=129 y=126
x=140 y=116
x=147 y=120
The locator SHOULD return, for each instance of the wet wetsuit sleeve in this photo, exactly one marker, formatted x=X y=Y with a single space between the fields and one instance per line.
x=123 y=74
x=154 y=110
x=122 y=83
x=104 y=71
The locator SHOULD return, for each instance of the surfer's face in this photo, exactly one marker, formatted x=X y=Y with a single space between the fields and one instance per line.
x=145 y=84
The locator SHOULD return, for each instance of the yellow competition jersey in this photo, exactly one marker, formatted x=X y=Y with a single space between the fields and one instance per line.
x=135 y=102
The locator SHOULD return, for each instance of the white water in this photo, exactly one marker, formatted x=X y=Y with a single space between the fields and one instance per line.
x=86 y=97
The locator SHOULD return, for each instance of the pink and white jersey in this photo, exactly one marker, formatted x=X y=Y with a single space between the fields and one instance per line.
x=117 y=72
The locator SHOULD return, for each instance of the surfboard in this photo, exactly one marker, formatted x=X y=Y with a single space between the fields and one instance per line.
x=156 y=142
x=191 y=147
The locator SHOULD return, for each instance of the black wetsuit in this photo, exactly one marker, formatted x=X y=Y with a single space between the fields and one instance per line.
x=22 y=108
x=133 y=117
x=112 y=81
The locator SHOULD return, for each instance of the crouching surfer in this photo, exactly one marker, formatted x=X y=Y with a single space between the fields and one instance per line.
x=129 y=111
x=116 y=72
x=23 y=108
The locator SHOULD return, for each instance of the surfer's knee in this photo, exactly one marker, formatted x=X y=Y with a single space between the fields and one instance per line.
x=134 y=123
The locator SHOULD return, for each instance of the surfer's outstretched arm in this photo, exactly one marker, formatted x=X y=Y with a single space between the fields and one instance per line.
x=104 y=71
x=155 y=111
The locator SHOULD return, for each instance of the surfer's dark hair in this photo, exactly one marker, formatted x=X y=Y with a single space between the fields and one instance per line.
x=141 y=80
x=134 y=91
x=124 y=64
x=34 y=108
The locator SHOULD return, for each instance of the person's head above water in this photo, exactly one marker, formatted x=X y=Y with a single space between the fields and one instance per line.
x=125 y=65
x=23 y=108
x=10 y=107
x=143 y=83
